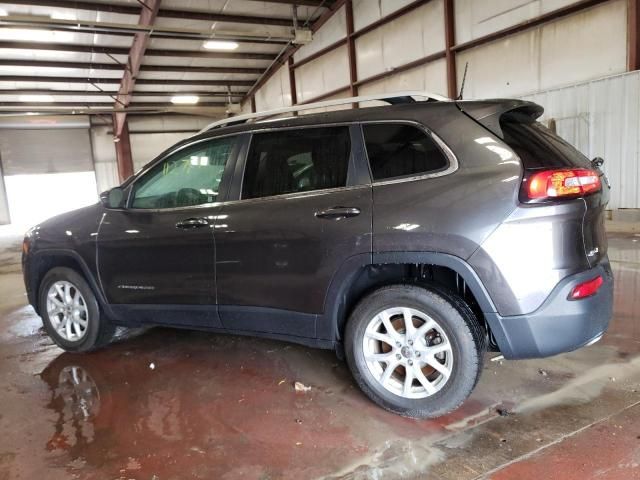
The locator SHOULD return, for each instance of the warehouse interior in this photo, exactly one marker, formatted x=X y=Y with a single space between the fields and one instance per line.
x=91 y=91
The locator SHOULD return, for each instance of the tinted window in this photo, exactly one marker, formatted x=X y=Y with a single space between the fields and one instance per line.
x=396 y=150
x=537 y=146
x=296 y=161
x=189 y=177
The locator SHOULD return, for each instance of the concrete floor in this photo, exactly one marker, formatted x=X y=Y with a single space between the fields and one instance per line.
x=224 y=407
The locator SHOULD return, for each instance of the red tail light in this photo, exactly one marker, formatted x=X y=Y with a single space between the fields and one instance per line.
x=549 y=184
x=586 y=289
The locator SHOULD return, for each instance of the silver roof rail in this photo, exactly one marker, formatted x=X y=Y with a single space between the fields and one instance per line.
x=328 y=103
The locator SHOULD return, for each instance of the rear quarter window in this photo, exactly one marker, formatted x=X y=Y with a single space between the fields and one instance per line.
x=537 y=146
x=397 y=150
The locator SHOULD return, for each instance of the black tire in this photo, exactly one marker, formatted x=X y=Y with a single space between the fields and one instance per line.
x=100 y=331
x=466 y=336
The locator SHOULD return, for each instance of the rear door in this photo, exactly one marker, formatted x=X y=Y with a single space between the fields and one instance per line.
x=300 y=213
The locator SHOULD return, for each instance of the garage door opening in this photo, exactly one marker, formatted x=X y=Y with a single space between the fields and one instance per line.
x=36 y=197
x=47 y=170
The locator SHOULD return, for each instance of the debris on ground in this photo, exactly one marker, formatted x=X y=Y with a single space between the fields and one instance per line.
x=298 y=421
x=542 y=372
x=281 y=382
x=152 y=366
x=497 y=358
x=503 y=412
x=301 y=387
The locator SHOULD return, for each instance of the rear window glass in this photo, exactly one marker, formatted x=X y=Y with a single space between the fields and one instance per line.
x=301 y=160
x=537 y=146
x=397 y=150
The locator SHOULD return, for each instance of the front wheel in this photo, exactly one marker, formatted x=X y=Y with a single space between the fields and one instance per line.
x=70 y=312
x=414 y=351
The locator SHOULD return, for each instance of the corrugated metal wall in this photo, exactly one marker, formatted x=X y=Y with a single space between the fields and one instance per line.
x=602 y=118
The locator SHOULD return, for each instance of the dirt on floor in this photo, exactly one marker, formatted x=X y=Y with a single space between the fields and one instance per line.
x=173 y=404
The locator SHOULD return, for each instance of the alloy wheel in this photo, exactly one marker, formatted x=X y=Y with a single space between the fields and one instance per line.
x=407 y=352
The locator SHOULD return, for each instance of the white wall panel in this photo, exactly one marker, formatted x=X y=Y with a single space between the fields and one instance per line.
x=365 y=12
x=501 y=69
x=581 y=47
x=147 y=146
x=276 y=92
x=412 y=36
x=475 y=19
x=431 y=77
x=104 y=157
x=591 y=44
x=327 y=73
x=332 y=31
x=602 y=118
x=330 y=109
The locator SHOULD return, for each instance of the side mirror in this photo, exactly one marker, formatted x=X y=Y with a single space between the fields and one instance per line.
x=597 y=162
x=113 y=198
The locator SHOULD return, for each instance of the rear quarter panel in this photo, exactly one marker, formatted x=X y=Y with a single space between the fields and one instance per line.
x=452 y=214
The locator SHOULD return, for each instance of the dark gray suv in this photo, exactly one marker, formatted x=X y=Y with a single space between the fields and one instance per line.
x=411 y=238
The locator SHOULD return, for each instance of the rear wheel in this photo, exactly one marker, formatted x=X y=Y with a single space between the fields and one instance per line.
x=70 y=312
x=413 y=351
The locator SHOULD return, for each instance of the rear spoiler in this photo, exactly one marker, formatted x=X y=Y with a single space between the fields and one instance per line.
x=489 y=112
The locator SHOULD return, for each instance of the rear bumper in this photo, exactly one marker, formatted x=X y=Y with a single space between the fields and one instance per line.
x=559 y=325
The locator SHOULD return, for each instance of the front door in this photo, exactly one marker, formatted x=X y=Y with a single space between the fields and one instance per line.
x=156 y=257
x=299 y=217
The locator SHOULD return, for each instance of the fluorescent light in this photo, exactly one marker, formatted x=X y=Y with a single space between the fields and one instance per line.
x=3 y=12
x=63 y=16
x=185 y=99
x=35 y=35
x=37 y=98
x=220 y=45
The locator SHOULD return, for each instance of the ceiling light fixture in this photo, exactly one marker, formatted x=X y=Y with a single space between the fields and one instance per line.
x=63 y=16
x=25 y=34
x=185 y=99
x=37 y=98
x=220 y=45
x=3 y=12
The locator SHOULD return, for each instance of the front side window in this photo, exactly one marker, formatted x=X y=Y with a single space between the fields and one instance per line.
x=300 y=160
x=397 y=150
x=188 y=177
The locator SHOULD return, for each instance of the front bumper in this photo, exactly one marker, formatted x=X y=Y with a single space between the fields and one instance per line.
x=559 y=325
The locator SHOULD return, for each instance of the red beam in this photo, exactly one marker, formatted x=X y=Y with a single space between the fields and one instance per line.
x=132 y=9
x=70 y=47
x=107 y=81
x=124 y=160
x=450 y=41
x=634 y=35
x=136 y=54
x=351 y=51
x=292 y=82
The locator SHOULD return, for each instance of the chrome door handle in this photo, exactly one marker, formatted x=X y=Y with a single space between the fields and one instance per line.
x=191 y=223
x=337 y=213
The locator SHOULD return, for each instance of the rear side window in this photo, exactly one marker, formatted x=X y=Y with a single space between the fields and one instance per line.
x=301 y=160
x=537 y=146
x=397 y=150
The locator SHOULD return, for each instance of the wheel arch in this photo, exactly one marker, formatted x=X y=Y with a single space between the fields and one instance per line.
x=43 y=261
x=361 y=274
